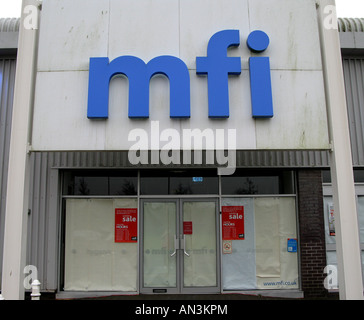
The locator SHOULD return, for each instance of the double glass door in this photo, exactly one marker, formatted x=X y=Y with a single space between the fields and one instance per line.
x=179 y=246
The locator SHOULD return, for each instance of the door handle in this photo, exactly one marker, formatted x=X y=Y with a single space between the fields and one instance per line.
x=184 y=246
x=176 y=246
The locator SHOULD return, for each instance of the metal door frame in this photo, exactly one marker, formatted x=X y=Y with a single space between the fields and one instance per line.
x=180 y=252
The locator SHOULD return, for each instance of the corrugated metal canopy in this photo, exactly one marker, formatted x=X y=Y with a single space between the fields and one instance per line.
x=351 y=24
x=9 y=24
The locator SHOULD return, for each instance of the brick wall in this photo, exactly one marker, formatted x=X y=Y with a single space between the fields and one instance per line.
x=312 y=236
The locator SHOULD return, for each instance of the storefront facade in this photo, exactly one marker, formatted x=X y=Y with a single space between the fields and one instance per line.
x=75 y=195
x=101 y=224
x=193 y=238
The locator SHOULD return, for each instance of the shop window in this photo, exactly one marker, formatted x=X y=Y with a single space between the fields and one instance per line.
x=193 y=185
x=154 y=185
x=250 y=185
x=258 y=182
x=86 y=183
x=266 y=257
x=330 y=229
x=94 y=259
x=179 y=182
x=358 y=176
x=326 y=176
x=90 y=185
x=123 y=185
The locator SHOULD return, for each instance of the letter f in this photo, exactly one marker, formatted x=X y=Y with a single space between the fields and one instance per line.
x=218 y=66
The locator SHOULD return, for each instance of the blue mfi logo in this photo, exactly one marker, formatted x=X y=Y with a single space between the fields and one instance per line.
x=216 y=65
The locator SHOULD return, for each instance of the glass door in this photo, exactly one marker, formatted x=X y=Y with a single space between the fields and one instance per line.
x=199 y=231
x=179 y=246
x=158 y=246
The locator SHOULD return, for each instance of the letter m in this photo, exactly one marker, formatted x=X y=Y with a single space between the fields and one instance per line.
x=139 y=75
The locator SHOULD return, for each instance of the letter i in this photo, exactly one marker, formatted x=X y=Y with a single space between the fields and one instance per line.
x=260 y=78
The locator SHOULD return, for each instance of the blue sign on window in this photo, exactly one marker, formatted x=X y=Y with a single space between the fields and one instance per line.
x=292 y=245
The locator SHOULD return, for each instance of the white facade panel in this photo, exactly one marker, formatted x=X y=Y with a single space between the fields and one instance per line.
x=71 y=32
x=147 y=29
x=292 y=28
x=199 y=20
x=300 y=115
x=63 y=122
x=144 y=28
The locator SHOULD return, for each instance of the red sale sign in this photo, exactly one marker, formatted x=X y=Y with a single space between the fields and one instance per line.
x=187 y=227
x=233 y=223
x=126 y=224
